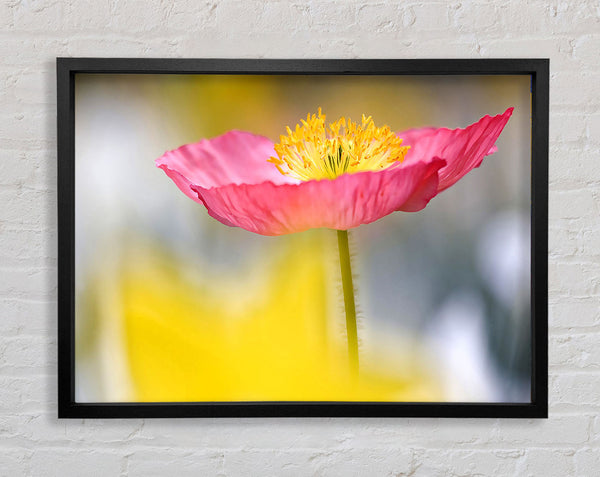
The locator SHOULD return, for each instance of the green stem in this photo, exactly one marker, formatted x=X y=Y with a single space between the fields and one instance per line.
x=346 y=269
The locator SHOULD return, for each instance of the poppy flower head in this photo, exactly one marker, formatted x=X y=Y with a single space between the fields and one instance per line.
x=316 y=151
x=337 y=176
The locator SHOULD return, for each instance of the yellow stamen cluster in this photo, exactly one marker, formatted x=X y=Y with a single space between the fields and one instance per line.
x=316 y=151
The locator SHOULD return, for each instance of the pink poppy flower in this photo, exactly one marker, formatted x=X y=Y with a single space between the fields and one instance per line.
x=337 y=176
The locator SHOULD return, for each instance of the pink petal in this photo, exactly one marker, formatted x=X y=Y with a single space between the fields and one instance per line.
x=236 y=157
x=462 y=149
x=346 y=202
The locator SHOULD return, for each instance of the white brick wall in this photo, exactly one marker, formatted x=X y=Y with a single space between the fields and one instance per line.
x=34 y=442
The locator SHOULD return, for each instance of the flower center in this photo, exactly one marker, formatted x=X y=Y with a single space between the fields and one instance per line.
x=316 y=151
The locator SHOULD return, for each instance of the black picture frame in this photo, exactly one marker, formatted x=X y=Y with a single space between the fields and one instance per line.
x=67 y=68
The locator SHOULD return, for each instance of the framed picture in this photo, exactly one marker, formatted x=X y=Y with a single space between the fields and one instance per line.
x=302 y=237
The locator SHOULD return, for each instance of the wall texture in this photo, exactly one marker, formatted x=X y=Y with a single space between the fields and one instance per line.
x=34 y=442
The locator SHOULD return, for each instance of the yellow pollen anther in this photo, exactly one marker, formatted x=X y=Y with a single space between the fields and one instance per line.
x=316 y=151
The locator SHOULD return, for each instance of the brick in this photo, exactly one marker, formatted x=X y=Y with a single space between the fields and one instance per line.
x=36 y=87
x=585 y=50
x=467 y=462
x=380 y=17
x=474 y=16
x=558 y=49
x=287 y=463
x=23 y=395
x=264 y=17
x=121 y=47
x=568 y=127
x=137 y=16
x=15 y=462
x=563 y=242
x=217 y=434
x=169 y=462
x=28 y=50
x=69 y=462
x=33 y=247
x=574 y=279
x=30 y=169
x=119 y=432
x=332 y=16
x=204 y=14
x=373 y=461
x=575 y=88
x=555 y=17
x=44 y=15
x=547 y=462
x=591 y=242
x=570 y=390
x=582 y=203
x=88 y=15
x=29 y=208
x=558 y=430
x=7 y=15
x=593 y=128
x=361 y=461
x=27 y=283
x=587 y=461
x=27 y=316
x=27 y=355
x=17 y=127
x=581 y=351
x=431 y=16
x=575 y=165
x=573 y=313
x=441 y=47
x=595 y=431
